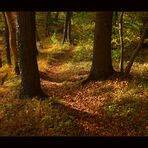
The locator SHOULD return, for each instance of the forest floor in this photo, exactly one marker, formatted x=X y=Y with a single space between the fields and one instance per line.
x=114 y=107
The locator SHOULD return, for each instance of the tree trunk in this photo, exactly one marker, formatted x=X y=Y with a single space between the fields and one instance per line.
x=11 y=23
x=102 y=64
x=67 y=28
x=0 y=61
x=48 y=19
x=37 y=36
x=30 y=80
x=144 y=21
x=135 y=53
x=56 y=16
x=7 y=45
x=121 y=42
x=34 y=30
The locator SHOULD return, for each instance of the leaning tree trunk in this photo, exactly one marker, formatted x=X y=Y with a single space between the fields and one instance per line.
x=7 y=45
x=30 y=80
x=102 y=64
x=135 y=53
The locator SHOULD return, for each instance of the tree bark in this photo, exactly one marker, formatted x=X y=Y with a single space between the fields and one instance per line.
x=11 y=23
x=102 y=63
x=30 y=80
x=7 y=45
x=0 y=61
x=67 y=28
x=48 y=18
x=35 y=31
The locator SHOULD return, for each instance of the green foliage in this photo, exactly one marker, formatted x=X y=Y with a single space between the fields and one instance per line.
x=83 y=52
x=54 y=39
x=82 y=26
x=131 y=30
x=116 y=55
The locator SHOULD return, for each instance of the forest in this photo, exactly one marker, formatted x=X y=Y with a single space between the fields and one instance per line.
x=74 y=73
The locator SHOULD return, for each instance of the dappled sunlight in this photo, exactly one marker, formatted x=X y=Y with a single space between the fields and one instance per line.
x=117 y=106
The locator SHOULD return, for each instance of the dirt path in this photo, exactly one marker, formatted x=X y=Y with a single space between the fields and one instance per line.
x=52 y=79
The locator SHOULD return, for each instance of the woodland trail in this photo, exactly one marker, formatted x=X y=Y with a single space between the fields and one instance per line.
x=85 y=104
x=102 y=108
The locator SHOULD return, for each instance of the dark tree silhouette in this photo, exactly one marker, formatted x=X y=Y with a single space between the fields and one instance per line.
x=102 y=63
x=30 y=80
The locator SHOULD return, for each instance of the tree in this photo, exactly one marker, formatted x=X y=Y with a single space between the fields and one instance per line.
x=0 y=61
x=67 y=28
x=102 y=63
x=10 y=18
x=30 y=80
x=136 y=51
x=144 y=19
x=48 y=19
x=56 y=16
x=121 y=42
x=7 y=45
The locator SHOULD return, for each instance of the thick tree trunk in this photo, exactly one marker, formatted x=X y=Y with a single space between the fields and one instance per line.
x=30 y=80
x=136 y=51
x=102 y=64
x=34 y=30
x=0 y=61
x=37 y=36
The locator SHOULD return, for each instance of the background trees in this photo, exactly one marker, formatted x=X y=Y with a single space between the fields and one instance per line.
x=84 y=30
x=67 y=28
x=10 y=21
